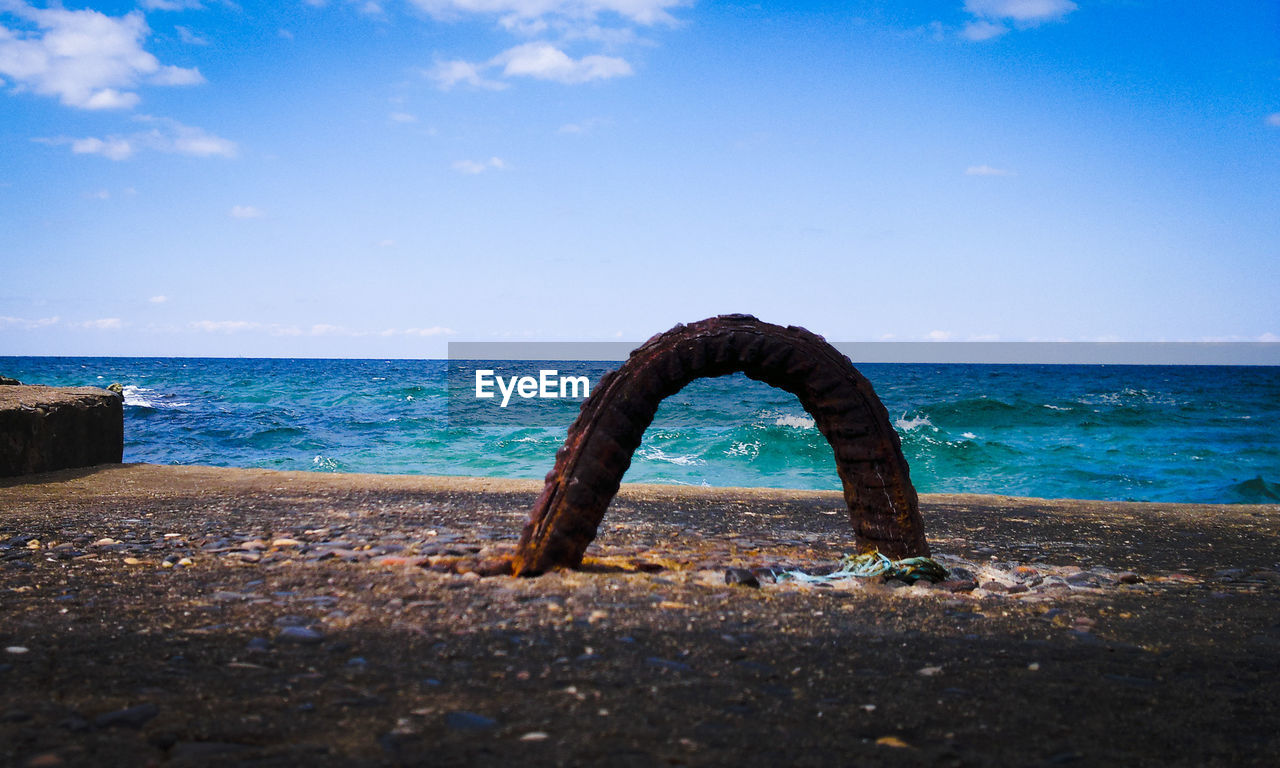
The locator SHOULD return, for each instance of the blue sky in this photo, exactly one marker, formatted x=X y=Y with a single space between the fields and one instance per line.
x=350 y=179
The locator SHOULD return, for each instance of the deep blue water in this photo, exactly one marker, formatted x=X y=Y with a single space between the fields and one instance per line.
x=1149 y=433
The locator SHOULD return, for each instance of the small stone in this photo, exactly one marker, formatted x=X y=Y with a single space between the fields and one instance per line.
x=33 y=544
x=45 y=760
x=892 y=741
x=280 y=543
x=104 y=542
x=186 y=562
x=299 y=636
x=1129 y=577
x=133 y=561
x=534 y=736
x=994 y=586
x=741 y=577
x=16 y=649
x=460 y=720
x=958 y=585
x=928 y=671
x=132 y=717
x=258 y=644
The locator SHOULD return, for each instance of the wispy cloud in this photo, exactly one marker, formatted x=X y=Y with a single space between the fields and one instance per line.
x=515 y=12
x=448 y=74
x=84 y=58
x=187 y=36
x=471 y=167
x=1273 y=119
x=537 y=60
x=316 y=329
x=171 y=5
x=246 y=212
x=163 y=135
x=402 y=117
x=986 y=170
x=158 y=299
x=543 y=61
x=26 y=324
x=582 y=127
x=993 y=18
x=556 y=25
x=102 y=324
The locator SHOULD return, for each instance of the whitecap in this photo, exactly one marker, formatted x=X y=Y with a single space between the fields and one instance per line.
x=133 y=396
x=750 y=450
x=799 y=422
x=968 y=436
x=906 y=425
x=657 y=454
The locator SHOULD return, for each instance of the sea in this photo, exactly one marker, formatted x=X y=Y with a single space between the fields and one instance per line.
x=1111 y=432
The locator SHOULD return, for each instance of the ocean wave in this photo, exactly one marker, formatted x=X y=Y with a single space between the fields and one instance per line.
x=144 y=397
x=325 y=464
x=915 y=422
x=798 y=422
x=1255 y=491
x=652 y=453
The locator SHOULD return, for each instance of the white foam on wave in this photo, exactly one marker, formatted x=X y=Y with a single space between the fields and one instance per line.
x=1056 y=407
x=751 y=450
x=906 y=425
x=968 y=436
x=657 y=454
x=133 y=396
x=144 y=397
x=798 y=422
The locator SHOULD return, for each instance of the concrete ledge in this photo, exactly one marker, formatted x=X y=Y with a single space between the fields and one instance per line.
x=48 y=428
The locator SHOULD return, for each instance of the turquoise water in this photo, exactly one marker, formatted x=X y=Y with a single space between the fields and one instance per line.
x=1147 y=433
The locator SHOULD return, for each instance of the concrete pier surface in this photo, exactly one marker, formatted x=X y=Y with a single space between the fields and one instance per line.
x=48 y=428
x=194 y=615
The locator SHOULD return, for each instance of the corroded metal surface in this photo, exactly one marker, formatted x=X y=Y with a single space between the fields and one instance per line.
x=597 y=452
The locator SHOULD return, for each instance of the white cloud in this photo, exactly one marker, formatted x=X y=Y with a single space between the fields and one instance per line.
x=447 y=74
x=388 y=243
x=538 y=60
x=1273 y=119
x=165 y=135
x=435 y=330
x=402 y=117
x=102 y=324
x=939 y=335
x=986 y=170
x=318 y=329
x=471 y=167
x=544 y=61
x=28 y=325
x=982 y=30
x=1022 y=11
x=245 y=212
x=84 y=58
x=101 y=194
x=190 y=38
x=224 y=326
x=992 y=17
x=171 y=5
x=158 y=299
x=513 y=11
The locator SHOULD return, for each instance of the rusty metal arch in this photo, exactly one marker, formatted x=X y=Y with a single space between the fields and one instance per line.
x=883 y=506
